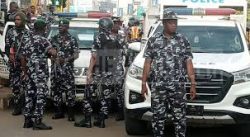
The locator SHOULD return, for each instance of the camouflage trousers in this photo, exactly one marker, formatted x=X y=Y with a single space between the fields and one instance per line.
x=35 y=98
x=104 y=92
x=16 y=84
x=63 y=83
x=171 y=102
x=118 y=88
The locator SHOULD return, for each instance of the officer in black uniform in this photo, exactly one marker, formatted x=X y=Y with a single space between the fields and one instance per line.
x=102 y=67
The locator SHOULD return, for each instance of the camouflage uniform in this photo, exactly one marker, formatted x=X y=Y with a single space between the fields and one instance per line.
x=50 y=19
x=119 y=74
x=36 y=52
x=62 y=78
x=168 y=76
x=16 y=38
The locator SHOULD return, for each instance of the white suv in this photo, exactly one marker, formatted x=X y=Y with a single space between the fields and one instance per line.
x=222 y=63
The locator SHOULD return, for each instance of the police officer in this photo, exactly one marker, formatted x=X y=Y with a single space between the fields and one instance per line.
x=35 y=71
x=101 y=69
x=51 y=15
x=11 y=13
x=50 y=18
x=14 y=41
x=118 y=34
x=62 y=70
x=168 y=56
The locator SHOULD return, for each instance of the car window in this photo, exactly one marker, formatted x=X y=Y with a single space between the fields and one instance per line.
x=84 y=36
x=211 y=39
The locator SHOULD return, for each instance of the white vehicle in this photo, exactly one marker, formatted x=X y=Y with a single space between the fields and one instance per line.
x=222 y=63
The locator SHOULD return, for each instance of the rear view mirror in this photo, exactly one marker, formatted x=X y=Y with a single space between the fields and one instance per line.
x=135 y=46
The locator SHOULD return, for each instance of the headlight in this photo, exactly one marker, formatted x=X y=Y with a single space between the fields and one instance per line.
x=242 y=76
x=135 y=72
x=77 y=71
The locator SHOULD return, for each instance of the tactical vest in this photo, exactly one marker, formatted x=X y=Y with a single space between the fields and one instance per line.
x=135 y=33
x=107 y=57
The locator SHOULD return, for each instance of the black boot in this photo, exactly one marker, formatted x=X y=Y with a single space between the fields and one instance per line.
x=71 y=114
x=85 y=122
x=100 y=121
x=120 y=115
x=39 y=125
x=17 y=110
x=58 y=113
x=28 y=123
x=19 y=102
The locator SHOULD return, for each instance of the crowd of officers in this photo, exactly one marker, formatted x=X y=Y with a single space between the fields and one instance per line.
x=29 y=49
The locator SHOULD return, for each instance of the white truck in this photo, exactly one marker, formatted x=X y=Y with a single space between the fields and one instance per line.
x=221 y=60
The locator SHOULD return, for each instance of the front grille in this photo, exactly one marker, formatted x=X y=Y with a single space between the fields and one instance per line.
x=79 y=89
x=85 y=72
x=212 y=85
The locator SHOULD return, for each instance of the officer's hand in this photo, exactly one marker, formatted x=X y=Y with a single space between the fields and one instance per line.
x=53 y=52
x=89 y=78
x=144 y=90
x=192 y=92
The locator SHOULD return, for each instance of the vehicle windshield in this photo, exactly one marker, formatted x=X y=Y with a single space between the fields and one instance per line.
x=211 y=39
x=84 y=36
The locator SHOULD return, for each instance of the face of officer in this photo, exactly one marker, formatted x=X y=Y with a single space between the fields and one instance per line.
x=33 y=9
x=52 y=9
x=13 y=7
x=170 y=26
x=18 y=21
x=116 y=27
x=63 y=28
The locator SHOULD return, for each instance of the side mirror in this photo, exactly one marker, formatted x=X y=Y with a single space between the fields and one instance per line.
x=135 y=46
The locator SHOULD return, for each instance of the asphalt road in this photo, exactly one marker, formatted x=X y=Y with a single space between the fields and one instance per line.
x=11 y=126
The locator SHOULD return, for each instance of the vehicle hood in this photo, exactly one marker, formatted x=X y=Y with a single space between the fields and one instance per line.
x=227 y=62
x=84 y=58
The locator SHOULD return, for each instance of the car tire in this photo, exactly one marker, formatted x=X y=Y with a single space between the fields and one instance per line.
x=134 y=126
x=243 y=130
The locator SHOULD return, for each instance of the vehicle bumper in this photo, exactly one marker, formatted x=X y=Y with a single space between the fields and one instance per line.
x=209 y=118
x=223 y=112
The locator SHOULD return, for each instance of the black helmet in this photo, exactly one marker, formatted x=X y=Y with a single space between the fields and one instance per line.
x=106 y=23
x=116 y=19
x=169 y=15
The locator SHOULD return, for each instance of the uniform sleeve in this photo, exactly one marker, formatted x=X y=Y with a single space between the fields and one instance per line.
x=149 y=51
x=75 y=46
x=188 y=52
x=99 y=39
x=8 y=43
x=53 y=42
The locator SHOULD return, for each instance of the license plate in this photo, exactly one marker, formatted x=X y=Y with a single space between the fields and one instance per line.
x=195 y=110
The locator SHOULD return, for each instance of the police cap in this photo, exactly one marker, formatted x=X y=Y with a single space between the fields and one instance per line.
x=39 y=24
x=63 y=22
x=169 y=15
